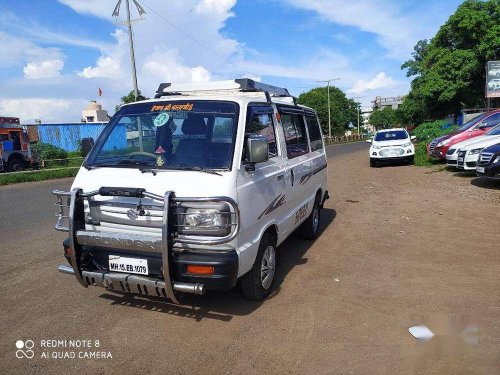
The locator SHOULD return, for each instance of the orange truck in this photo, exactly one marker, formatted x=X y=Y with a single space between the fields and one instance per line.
x=15 y=150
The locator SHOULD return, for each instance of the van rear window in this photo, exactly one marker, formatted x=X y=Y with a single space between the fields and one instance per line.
x=314 y=133
x=295 y=135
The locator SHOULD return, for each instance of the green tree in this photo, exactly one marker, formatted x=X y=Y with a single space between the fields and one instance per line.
x=385 y=118
x=130 y=98
x=449 y=69
x=342 y=109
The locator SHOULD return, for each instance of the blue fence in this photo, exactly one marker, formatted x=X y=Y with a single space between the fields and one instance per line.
x=67 y=136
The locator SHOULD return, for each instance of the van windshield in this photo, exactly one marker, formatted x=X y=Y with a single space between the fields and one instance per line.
x=169 y=135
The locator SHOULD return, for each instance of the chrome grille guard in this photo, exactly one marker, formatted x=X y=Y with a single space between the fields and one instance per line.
x=70 y=208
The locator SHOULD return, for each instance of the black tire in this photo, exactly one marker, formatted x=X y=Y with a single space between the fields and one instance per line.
x=252 y=283
x=373 y=163
x=310 y=228
x=412 y=160
x=15 y=165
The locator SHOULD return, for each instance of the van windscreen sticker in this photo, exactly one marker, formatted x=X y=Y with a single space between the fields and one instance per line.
x=161 y=119
x=172 y=107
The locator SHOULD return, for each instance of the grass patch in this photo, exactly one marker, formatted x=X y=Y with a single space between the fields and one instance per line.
x=42 y=175
x=421 y=157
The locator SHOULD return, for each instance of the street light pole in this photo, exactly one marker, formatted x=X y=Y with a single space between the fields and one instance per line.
x=358 y=107
x=128 y=23
x=132 y=54
x=329 y=114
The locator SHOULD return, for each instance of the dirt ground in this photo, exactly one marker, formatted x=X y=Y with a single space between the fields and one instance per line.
x=401 y=246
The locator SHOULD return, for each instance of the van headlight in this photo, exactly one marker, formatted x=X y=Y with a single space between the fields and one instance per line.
x=213 y=220
x=475 y=151
x=198 y=217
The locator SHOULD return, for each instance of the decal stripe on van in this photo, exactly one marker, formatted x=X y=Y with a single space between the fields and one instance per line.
x=277 y=202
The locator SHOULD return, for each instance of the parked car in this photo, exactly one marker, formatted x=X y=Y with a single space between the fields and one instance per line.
x=391 y=145
x=474 y=128
x=227 y=171
x=490 y=136
x=468 y=156
x=488 y=163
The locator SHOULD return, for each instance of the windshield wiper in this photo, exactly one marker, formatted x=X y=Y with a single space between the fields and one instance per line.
x=149 y=170
x=197 y=169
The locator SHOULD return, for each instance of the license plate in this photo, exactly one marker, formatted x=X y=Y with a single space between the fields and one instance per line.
x=128 y=265
x=480 y=169
x=460 y=160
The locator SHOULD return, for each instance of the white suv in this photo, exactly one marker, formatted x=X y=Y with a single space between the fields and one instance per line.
x=194 y=190
x=391 y=145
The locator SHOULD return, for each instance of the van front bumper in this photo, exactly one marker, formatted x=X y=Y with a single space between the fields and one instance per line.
x=225 y=264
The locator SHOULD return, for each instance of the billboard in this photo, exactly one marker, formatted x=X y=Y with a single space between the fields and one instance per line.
x=493 y=79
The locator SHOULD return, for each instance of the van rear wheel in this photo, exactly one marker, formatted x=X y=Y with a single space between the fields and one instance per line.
x=310 y=228
x=257 y=283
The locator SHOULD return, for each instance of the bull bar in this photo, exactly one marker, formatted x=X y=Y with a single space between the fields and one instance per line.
x=70 y=207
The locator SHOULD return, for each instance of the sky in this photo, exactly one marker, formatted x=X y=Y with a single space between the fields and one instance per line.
x=56 y=54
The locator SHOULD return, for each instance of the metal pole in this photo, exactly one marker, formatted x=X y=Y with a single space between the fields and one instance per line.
x=358 y=119
x=329 y=112
x=329 y=115
x=132 y=54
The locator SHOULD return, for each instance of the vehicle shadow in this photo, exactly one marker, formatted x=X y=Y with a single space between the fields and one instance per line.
x=486 y=183
x=223 y=306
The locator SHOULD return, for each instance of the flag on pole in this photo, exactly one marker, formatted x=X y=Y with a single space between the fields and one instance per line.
x=100 y=92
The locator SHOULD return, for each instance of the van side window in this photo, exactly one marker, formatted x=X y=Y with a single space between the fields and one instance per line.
x=295 y=135
x=260 y=122
x=314 y=133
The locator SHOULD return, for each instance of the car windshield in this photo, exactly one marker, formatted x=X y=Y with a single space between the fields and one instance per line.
x=392 y=135
x=169 y=135
x=469 y=123
x=494 y=131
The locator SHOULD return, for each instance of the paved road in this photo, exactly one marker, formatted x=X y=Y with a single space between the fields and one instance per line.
x=400 y=246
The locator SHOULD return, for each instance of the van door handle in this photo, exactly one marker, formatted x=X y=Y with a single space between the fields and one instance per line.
x=280 y=176
x=292 y=175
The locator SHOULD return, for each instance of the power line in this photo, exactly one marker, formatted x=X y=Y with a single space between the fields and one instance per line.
x=225 y=59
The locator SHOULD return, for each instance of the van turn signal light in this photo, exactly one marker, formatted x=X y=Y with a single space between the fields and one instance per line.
x=200 y=270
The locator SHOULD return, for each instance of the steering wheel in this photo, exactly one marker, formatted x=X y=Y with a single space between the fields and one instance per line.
x=142 y=153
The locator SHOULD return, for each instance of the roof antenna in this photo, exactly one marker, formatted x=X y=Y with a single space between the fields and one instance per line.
x=128 y=23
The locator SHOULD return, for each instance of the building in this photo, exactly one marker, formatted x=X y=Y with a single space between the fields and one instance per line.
x=94 y=113
x=393 y=102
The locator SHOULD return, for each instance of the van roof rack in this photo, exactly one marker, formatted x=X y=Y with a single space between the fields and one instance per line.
x=236 y=85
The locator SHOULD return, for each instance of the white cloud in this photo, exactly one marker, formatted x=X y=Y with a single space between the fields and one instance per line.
x=15 y=51
x=43 y=69
x=396 y=30
x=111 y=63
x=166 y=66
x=48 y=110
x=27 y=28
x=381 y=80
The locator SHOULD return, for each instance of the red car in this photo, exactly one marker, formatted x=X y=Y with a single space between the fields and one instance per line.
x=474 y=128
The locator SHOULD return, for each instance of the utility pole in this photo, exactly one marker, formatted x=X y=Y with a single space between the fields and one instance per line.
x=128 y=23
x=358 y=107
x=329 y=114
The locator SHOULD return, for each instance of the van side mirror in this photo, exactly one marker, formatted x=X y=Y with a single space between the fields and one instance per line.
x=369 y=140
x=257 y=151
x=413 y=137
x=87 y=144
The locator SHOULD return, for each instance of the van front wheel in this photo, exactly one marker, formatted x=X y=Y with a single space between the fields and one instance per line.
x=257 y=283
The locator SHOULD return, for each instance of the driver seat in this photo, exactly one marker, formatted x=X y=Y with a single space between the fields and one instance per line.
x=191 y=150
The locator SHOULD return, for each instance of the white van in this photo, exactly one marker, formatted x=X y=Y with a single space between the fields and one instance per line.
x=194 y=190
